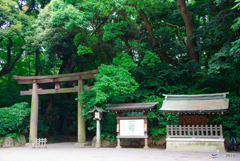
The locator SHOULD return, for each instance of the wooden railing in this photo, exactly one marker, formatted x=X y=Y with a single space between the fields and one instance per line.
x=39 y=143
x=203 y=131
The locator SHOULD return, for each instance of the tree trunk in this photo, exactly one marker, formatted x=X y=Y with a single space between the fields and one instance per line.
x=47 y=116
x=61 y=120
x=188 y=19
x=37 y=62
x=50 y=102
x=29 y=65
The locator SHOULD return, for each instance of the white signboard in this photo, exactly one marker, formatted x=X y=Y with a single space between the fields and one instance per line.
x=132 y=127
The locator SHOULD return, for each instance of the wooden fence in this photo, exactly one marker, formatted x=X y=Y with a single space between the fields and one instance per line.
x=203 y=131
x=39 y=143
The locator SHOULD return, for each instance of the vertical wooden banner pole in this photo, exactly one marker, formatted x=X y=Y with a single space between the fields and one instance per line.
x=145 y=131
x=34 y=113
x=81 y=121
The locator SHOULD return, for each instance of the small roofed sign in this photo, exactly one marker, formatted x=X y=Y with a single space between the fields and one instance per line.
x=97 y=115
x=132 y=127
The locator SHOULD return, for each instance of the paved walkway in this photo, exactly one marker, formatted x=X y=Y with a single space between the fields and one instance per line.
x=67 y=152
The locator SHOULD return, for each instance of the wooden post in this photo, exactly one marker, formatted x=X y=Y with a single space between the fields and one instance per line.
x=221 y=131
x=216 y=131
x=197 y=130
x=145 y=132
x=98 y=141
x=180 y=130
x=146 y=143
x=118 y=132
x=118 y=143
x=81 y=121
x=171 y=130
x=167 y=131
x=206 y=126
x=193 y=130
x=34 y=113
x=176 y=130
x=211 y=130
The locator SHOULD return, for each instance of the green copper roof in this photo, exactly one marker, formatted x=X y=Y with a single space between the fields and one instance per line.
x=195 y=103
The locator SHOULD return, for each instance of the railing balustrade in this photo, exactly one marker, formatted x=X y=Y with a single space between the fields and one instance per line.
x=203 y=131
x=39 y=143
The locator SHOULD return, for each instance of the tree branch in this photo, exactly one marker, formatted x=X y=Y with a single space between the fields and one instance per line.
x=5 y=68
x=100 y=46
x=153 y=39
x=128 y=35
x=144 y=38
x=179 y=34
x=127 y=44
x=104 y=21
x=15 y=60
x=132 y=48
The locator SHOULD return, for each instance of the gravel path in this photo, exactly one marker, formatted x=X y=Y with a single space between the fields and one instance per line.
x=67 y=152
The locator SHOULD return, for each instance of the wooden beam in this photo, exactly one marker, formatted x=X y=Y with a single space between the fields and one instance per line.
x=50 y=91
x=131 y=117
x=88 y=76
x=52 y=80
x=57 y=78
x=55 y=91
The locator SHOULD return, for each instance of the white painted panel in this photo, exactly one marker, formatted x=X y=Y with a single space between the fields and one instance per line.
x=132 y=127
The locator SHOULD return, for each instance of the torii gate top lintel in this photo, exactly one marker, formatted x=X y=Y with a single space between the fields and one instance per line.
x=56 y=79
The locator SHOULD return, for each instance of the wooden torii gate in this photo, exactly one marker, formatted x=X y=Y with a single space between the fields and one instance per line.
x=57 y=79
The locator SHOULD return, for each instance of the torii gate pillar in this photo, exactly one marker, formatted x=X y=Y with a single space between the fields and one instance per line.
x=81 y=121
x=34 y=114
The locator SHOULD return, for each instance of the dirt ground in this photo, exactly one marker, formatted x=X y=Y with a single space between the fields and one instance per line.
x=68 y=152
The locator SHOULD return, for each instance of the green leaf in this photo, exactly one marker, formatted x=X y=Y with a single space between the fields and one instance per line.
x=84 y=50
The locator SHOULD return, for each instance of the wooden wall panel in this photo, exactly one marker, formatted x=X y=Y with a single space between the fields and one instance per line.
x=193 y=120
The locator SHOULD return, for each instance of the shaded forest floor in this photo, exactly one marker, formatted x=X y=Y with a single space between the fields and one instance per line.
x=62 y=138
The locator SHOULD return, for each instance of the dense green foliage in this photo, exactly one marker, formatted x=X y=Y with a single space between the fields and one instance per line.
x=14 y=119
x=143 y=49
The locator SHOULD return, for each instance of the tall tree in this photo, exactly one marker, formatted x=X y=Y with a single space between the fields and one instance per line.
x=14 y=27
